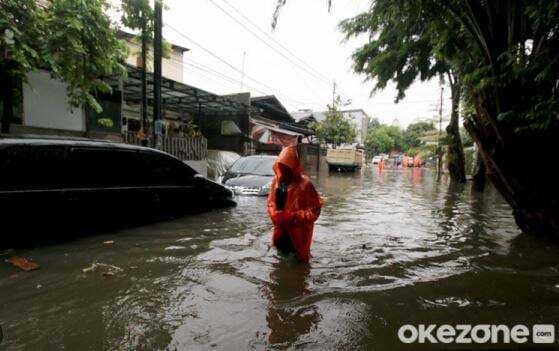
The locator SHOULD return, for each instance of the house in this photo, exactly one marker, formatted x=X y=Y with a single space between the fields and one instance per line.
x=171 y=66
x=264 y=127
x=272 y=126
x=46 y=111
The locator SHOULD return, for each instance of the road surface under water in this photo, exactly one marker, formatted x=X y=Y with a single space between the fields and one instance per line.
x=389 y=249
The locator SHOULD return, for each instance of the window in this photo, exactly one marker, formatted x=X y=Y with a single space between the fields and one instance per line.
x=28 y=167
x=254 y=165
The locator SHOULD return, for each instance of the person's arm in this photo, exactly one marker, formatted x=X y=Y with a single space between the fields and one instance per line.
x=311 y=212
x=275 y=215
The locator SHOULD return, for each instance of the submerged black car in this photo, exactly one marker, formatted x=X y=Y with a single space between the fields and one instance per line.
x=83 y=184
x=251 y=175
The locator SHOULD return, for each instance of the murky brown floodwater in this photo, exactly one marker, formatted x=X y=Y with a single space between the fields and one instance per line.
x=389 y=249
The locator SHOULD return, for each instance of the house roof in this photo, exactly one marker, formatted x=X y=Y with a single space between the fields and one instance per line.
x=270 y=107
x=129 y=36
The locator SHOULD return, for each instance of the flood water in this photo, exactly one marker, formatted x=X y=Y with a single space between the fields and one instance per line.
x=389 y=249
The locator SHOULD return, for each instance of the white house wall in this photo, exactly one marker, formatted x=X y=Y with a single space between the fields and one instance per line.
x=46 y=104
x=170 y=68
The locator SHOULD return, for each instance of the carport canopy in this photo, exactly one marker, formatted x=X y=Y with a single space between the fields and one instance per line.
x=178 y=96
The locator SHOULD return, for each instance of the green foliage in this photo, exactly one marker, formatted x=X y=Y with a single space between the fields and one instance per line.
x=379 y=140
x=85 y=48
x=335 y=129
x=414 y=132
x=397 y=136
x=138 y=14
x=105 y=122
x=373 y=123
x=401 y=48
x=22 y=26
x=74 y=39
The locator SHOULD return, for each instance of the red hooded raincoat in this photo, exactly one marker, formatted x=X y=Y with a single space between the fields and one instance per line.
x=302 y=206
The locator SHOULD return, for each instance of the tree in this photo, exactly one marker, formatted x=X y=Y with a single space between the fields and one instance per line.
x=505 y=53
x=75 y=40
x=402 y=48
x=379 y=140
x=21 y=49
x=138 y=14
x=335 y=129
x=373 y=123
x=414 y=132
x=397 y=136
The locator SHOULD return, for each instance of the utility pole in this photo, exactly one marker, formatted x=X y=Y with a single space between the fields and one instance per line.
x=334 y=95
x=157 y=53
x=144 y=83
x=243 y=70
x=440 y=165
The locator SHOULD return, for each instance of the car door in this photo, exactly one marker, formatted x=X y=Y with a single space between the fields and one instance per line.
x=31 y=178
x=110 y=185
x=171 y=181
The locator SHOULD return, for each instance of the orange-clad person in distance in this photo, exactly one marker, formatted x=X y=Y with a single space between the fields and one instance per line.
x=293 y=205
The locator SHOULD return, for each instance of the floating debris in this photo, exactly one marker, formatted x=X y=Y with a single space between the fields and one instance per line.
x=108 y=242
x=175 y=247
x=23 y=263
x=106 y=269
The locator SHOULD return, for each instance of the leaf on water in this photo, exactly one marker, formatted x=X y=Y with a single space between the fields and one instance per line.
x=23 y=263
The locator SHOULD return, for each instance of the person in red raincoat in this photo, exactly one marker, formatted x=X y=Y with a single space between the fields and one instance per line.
x=293 y=205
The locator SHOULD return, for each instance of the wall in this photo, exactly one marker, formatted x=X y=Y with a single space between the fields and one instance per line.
x=360 y=121
x=171 y=68
x=46 y=104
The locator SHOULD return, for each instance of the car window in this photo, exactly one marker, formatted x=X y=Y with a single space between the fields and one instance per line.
x=98 y=167
x=165 y=170
x=27 y=167
x=254 y=165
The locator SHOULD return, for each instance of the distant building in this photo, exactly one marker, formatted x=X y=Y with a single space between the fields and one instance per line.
x=396 y=122
x=358 y=117
x=171 y=67
x=360 y=121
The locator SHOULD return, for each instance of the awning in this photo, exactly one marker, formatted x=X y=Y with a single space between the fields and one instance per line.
x=178 y=96
x=271 y=135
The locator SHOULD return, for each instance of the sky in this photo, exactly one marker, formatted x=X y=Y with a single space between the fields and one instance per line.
x=310 y=53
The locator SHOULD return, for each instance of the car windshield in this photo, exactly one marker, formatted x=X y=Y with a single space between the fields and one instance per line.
x=254 y=165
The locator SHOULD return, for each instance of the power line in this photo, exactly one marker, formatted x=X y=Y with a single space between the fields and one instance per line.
x=308 y=71
x=207 y=69
x=326 y=79
x=232 y=66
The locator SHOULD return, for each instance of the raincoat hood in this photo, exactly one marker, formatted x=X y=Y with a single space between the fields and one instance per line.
x=289 y=157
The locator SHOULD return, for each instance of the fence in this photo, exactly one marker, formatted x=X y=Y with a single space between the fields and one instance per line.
x=183 y=148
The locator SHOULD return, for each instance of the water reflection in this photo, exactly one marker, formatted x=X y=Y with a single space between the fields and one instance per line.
x=390 y=248
x=285 y=318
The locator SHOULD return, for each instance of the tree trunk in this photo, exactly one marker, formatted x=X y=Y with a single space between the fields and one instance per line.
x=479 y=175
x=515 y=165
x=455 y=152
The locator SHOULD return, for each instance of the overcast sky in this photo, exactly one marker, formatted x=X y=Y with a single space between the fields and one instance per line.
x=305 y=29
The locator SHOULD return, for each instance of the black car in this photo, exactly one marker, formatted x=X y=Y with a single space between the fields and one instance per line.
x=251 y=175
x=83 y=184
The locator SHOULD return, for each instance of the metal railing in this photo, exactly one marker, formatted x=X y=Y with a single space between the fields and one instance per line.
x=183 y=148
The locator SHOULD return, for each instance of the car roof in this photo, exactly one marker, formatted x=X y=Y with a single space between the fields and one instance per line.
x=5 y=142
